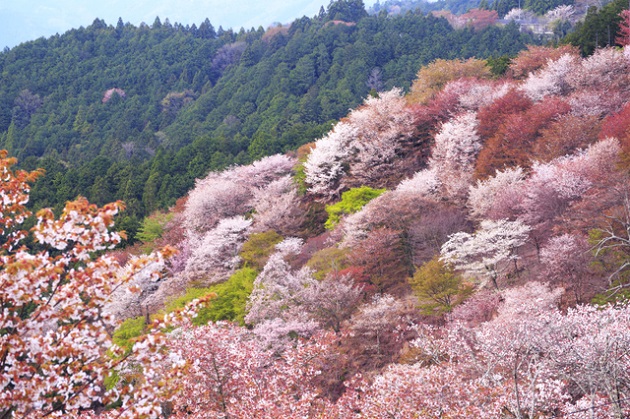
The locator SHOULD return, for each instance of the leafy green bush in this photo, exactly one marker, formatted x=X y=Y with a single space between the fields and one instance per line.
x=191 y=294
x=129 y=330
x=229 y=302
x=438 y=288
x=620 y=295
x=351 y=201
x=328 y=260
x=152 y=228
x=257 y=249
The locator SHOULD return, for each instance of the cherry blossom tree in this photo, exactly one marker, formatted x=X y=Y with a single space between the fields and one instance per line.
x=324 y=166
x=478 y=19
x=498 y=196
x=477 y=93
x=331 y=301
x=277 y=207
x=229 y=373
x=488 y=252
x=286 y=301
x=510 y=349
x=564 y=12
x=607 y=67
x=553 y=79
x=262 y=172
x=362 y=148
x=454 y=154
x=274 y=307
x=566 y=259
x=405 y=391
x=424 y=183
x=590 y=349
x=214 y=198
x=216 y=255
x=231 y=192
x=554 y=186
x=55 y=338
x=536 y=57
x=109 y=94
x=479 y=308
x=384 y=124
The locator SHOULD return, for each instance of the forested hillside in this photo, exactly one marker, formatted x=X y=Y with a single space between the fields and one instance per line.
x=460 y=250
x=137 y=113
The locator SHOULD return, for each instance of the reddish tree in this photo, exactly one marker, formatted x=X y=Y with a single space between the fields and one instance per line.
x=378 y=331
x=492 y=116
x=617 y=125
x=565 y=136
x=513 y=143
x=479 y=19
x=432 y=228
x=382 y=257
x=623 y=35
x=536 y=57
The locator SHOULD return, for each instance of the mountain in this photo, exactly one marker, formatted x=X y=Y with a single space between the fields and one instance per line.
x=458 y=250
x=138 y=113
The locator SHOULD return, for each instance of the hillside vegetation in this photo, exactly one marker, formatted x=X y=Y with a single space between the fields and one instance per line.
x=138 y=113
x=460 y=250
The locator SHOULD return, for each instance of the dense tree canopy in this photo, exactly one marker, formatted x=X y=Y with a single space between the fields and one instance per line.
x=138 y=113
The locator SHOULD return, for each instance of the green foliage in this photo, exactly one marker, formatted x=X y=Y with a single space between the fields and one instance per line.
x=130 y=329
x=257 y=249
x=191 y=294
x=328 y=260
x=438 y=288
x=152 y=227
x=111 y=380
x=499 y=65
x=619 y=293
x=300 y=178
x=230 y=299
x=598 y=28
x=196 y=102
x=351 y=201
x=610 y=259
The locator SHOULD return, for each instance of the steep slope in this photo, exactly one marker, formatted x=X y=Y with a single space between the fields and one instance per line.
x=461 y=250
x=193 y=99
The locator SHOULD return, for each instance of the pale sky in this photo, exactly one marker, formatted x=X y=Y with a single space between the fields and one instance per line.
x=26 y=20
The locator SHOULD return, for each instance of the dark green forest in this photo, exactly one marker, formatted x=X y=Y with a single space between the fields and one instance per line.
x=191 y=99
x=598 y=28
